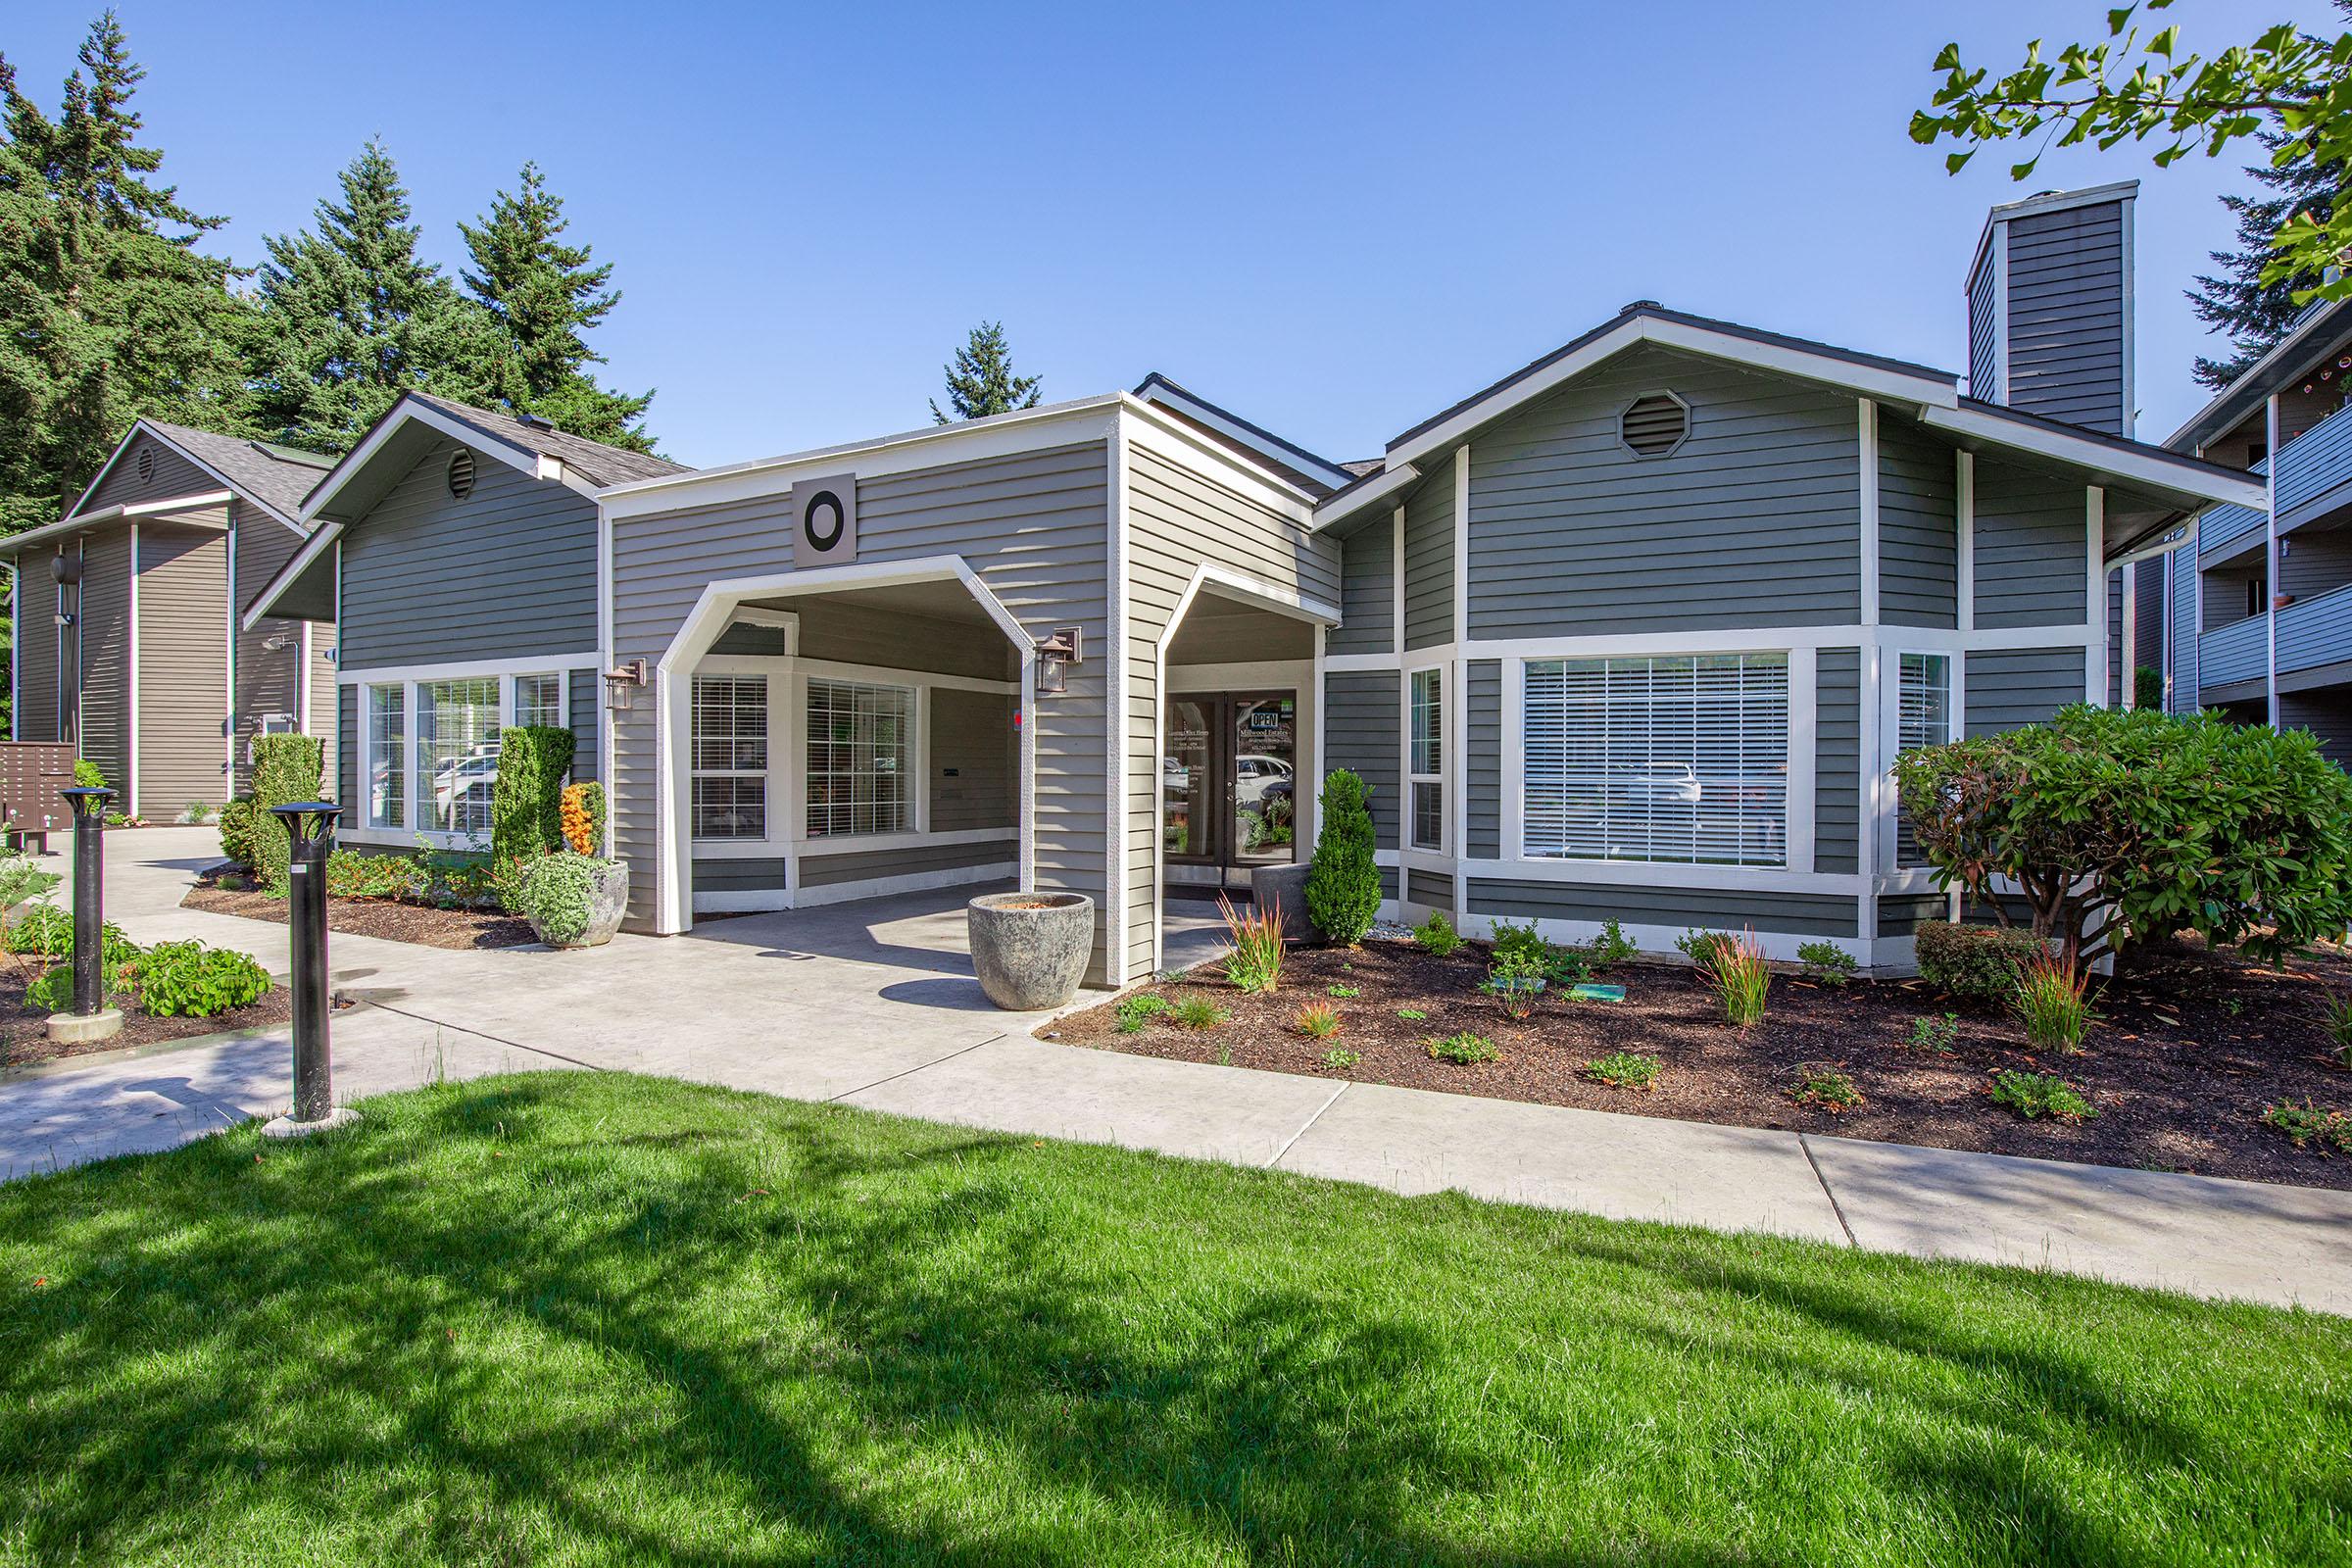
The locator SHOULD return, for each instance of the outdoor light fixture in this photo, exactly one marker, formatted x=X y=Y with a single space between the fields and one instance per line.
x=1055 y=655
x=621 y=680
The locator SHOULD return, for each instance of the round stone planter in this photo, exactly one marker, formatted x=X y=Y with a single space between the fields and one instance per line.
x=1284 y=887
x=607 y=902
x=1029 y=950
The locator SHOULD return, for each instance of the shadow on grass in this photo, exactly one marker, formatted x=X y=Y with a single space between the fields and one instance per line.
x=539 y=1317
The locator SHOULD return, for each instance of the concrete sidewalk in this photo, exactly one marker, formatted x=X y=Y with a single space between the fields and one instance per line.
x=874 y=1006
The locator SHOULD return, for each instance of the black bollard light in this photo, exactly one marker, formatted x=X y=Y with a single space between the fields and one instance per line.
x=310 y=837
x=91 y=1018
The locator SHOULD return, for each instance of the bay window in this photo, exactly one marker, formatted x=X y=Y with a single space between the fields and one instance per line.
x=1670 y=757
x=1426 y=760
x=730 y=756
x=859 y=740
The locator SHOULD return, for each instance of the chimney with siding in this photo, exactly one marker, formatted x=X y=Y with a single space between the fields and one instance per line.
x=2049 y=306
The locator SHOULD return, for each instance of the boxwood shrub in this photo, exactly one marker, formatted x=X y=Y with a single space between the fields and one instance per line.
x=286 y=768
x=526 y=799
x=1975 y=962
x=236 y=832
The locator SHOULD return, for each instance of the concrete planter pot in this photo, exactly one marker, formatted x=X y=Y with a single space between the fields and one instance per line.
x=607 y=902
x=1030 y=948
x=1285 y=887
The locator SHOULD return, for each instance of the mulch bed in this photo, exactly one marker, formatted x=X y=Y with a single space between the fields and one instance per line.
x=422 y=924
x=2188 y=1049
x=24 y=1031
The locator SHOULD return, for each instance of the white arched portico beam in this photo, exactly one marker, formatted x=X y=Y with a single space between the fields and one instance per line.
x=675 y=910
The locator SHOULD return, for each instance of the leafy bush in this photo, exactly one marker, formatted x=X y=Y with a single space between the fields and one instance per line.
x=1612 y=947
x=195 y=813
x=2133 y=825
x=1558 y=965
x=557 y=894
x=189 y=980
x=1700 y=945
x=1934 y=1032
x=1256 y=962
x=2038 y=1094
x=582 y=809
x=1412 y=1015
x=2051 y=1000
x=351 y=874
x=1343 y=885
x=52 y=990
x=1318 y=1020
x=1133 y=1013
x=286 y=768
x=1826 y=963
x=236 y=832
x=1818 y=1083
x=1515 y=979
x=457 y=879
x=2306 y=1124
x=2147 y=687
x=1736 y=970
x=22 y=880
x=1437 y=935
x=1341 y=1056
x=86 y=775
x=1624 y=1069
x=48 y=930
x=1462 y=1050
x=1197 y=1013
x=1974 y=963
x=526 y=799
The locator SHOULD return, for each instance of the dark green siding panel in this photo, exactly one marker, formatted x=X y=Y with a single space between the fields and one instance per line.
x=1367 y=588
x=2021 y=686
x=1434 y=888
x=739 y=876
x=1755 y=520
x=832 y=869
x=1837 y=760
x=1428 y=558
x=1900 y=917
x=1797 y=913
x=2032 y=538
x=1387 y=881
x=1919 y=530
x=1359 y=734
x=587 y=698
x=1482 y=721
x=347 y=756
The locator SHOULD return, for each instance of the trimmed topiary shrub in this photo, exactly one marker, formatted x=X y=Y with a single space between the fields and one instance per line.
x=1975 y=962
x=86 y=775
x=236 y=832
x=526 y=800
x=286 y=768
x=584 y=815
x=189 y=980
x=1343 y=884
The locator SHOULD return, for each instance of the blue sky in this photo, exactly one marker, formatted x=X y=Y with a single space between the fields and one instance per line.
x=1332 y=219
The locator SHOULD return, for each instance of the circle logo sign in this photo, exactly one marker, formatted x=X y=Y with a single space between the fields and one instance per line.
x=822 y=520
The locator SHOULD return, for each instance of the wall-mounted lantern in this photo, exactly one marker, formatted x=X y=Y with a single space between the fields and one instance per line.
x=620 y=681
x=1055 y=654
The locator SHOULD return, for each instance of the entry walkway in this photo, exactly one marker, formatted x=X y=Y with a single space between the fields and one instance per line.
x=873 y=1005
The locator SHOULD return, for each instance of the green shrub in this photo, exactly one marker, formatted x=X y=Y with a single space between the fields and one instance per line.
x=1560 y=966
x=1341 y=1056
x=2147 y=687
x=351 y=874
x=1826 y=963
x=1934 y=1032
x=236 y=832
x=526 y=799
x=1437 y=935
x=1135 y=1012
x=2306 y=1124
x=1197 y=1013
x=2034 y=1095
x=1820 y=1084
x=196 y=814
x=286 y=768
x=1612 y=947
x=1256 y=962
x=2120 y=826
x=52 y=990
x=1974 y=963
x=456 y=878
x=2051 y=1000
x=1515 y=979
x=86 y=775
x=557 y=894
x=1700 y=945
x=22 y=880
x=1343 y=884
x=189 y=980
x=1624 y=1069
x=1462 y=1050
x=48 y=929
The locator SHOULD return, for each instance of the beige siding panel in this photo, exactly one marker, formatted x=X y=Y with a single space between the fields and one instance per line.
x=169 y=474
x=184 y=674
x=106 y=654
x=268 y=680
x=35 y=649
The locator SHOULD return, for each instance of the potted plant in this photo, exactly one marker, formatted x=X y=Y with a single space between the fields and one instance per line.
x=574 y=900
x=1029 y=950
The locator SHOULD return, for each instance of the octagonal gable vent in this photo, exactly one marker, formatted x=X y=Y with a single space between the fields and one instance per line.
x=1654 y=425
x=461 y=473
x=146 y=463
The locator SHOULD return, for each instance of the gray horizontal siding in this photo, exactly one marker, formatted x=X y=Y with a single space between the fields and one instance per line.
x=349 y=788
x=972 y=740
x=2066 y=315
x=750 y=875
x=1387 y=881
x=1983 y=330
x=2031 y=548
x=1755 y=520
x=1367 y=589
x=1837 y=760
x=1428 y=558
x=1797 y=913
x=587 y=703
x=2009 y=689
x=818 y=871
x=1901 y=914
x=1432 y=888
x=508 y=573
x=1482 y=725
x=1359 y=734
x=1919 y=529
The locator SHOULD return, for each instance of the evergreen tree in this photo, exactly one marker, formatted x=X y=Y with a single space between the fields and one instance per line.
x=353 y=317
x=546 y=294
x=1342 y=882
x=108 y=308
x=981 y=382
x=2237 y=302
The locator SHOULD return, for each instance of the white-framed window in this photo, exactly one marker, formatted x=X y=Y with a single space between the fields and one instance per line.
x=730 y=756
x=1669 y=758
x=387 y=754
x=1426 y=760
x=861 y=739
x=457 y=753
x=1923 y=718
x=539 y=699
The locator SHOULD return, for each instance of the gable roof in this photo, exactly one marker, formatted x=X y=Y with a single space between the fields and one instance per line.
x=593 y=461
x=273 y=477
x=2321 y=333
x=1317 y=476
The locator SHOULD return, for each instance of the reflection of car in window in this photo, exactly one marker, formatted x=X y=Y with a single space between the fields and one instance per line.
x=1257 y=778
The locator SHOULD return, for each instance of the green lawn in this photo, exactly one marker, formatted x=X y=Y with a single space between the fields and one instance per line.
x=585 y=1318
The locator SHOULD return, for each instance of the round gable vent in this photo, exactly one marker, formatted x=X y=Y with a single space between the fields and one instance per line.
x=461 y=473
x=146 y=463
x=1654 y=425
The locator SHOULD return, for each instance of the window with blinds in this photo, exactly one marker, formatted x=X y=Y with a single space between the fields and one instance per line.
x=859 y=739
x=1668 y=758
x=1427 y=759
x=539 y=699
x=457 y=753
x=730 y=756
x=1923 y=718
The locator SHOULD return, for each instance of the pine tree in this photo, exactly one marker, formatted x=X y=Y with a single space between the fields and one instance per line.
x=981 y=382
x=546 y=295
x=352 y=317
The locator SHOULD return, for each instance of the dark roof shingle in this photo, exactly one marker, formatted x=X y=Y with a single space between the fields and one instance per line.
x=593 y=460
x=278 y=478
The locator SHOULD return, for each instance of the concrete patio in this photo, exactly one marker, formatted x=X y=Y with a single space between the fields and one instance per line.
x=873 y=1005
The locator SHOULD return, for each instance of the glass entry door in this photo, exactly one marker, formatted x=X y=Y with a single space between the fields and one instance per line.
x=1230 y=780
